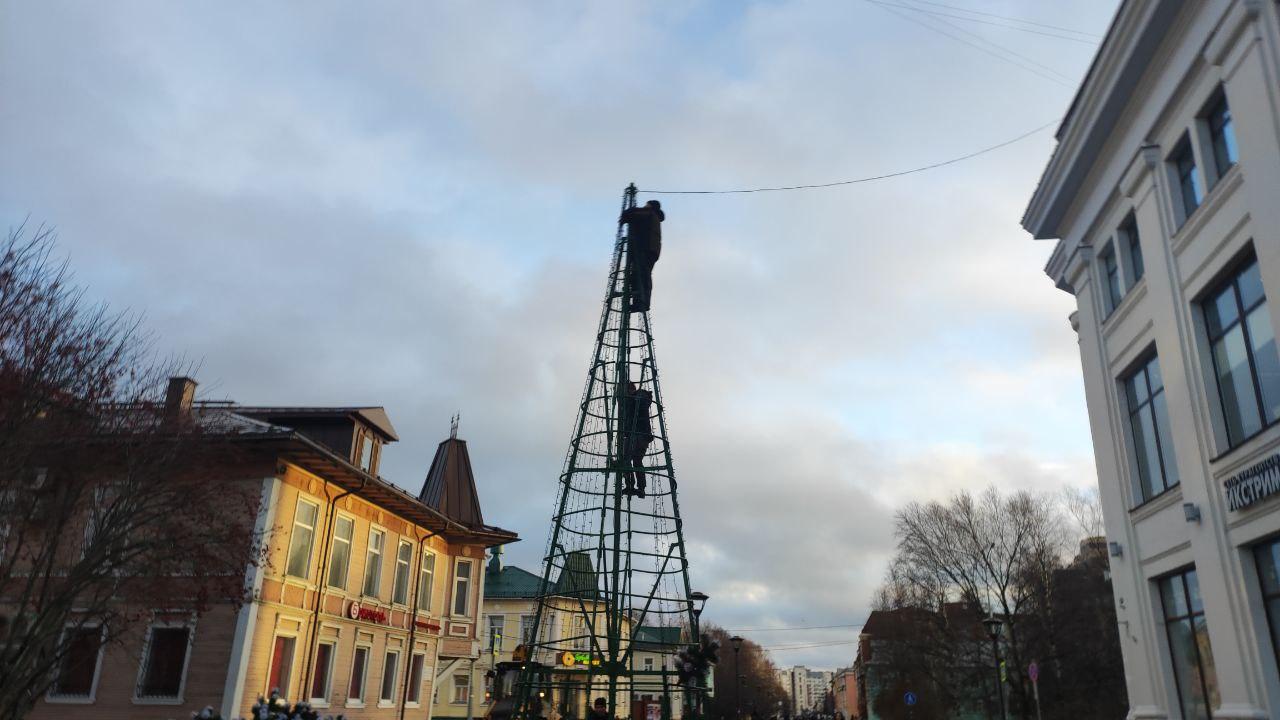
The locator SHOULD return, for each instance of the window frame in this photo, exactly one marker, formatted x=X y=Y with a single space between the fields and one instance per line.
x=368 y=551
x=318 y=701
x=1273 y=623
x=467 y=581
x=1167 y=621
x=311 y=544
x=453 y=688
x=359 y=702
x=397 y=578
x=418 y=677
x=426 y=589
x=392 y=676
x=52 y=696
x=1135 y=264
x=1184 y=149
x=1229 y=278
x=138 y=698
x=277 y=635
x=1113 y=286
x=528 y=634
x=1218 y=99
x=502 y=629
x=333 y=547
x=1139 y=369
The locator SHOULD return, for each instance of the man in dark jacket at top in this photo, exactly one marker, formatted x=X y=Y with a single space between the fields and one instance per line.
x=636 y=434
x=644 y=245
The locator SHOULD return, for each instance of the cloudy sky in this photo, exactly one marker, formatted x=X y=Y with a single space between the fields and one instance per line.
x=413 y=205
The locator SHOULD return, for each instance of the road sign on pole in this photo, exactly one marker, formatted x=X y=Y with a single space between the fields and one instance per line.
x=910 y=698
x=1033 y=671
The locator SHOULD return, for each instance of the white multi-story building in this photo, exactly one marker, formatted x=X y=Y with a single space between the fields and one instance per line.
x=806 y=689
x=1164 y=196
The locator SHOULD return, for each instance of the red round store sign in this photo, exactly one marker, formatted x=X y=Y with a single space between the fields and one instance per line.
x=355 y=612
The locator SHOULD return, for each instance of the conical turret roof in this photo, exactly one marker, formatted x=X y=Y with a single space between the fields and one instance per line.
x=450 y=487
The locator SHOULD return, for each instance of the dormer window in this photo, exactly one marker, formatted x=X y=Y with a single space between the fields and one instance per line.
x=367 y=453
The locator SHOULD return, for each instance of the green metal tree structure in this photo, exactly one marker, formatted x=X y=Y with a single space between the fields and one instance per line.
x=616 y=575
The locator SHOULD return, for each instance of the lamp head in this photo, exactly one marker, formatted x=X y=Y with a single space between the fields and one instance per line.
x=737 y=642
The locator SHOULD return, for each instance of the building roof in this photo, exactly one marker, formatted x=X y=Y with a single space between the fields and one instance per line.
x=450 y=487
x=373 y=416
x=1122 y=59
x=654 y=637
x=578 y=577
x=509 y=582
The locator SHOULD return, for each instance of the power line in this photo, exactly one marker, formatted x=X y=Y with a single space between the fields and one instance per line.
x=855 y=181
x=810 y=646
x=1006 y=17
x=966 y=18
x=1060 y=80
x=806 y=627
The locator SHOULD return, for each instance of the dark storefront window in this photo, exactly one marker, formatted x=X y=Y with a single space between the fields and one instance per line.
x=1267 y=556
x=1188 y=636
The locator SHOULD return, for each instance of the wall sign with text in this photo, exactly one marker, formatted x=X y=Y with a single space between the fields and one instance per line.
x=1253 y=484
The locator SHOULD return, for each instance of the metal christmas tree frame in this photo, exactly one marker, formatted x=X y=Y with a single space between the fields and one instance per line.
x=615 y=567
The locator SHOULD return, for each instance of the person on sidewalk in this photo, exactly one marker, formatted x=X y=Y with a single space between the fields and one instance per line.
x=644 y=245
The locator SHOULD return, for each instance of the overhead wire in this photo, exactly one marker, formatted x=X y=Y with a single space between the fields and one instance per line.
x=1084 y=41
x=807 y=627
x=855 y=181
x=1013 y=19
x=1028 y=64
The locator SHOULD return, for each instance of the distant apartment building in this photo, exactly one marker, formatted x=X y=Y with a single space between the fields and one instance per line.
x=1163 y=196
x=365 y=590
x=806 y=689
x=844 y=692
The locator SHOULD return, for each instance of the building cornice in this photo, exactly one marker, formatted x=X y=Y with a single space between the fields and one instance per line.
x=1131 y=42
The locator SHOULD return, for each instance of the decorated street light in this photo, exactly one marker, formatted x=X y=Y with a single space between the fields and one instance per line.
x=993 y=625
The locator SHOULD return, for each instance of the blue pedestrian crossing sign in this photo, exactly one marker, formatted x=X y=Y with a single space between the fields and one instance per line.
x=910 y=698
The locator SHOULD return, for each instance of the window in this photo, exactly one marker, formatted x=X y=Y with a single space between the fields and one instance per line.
x=648 y=664
x=462 y=587
x=1222 y=133
x=1111 y=278
x=322 y=673
x=359 y=664
x=164 y=662
x=389 y=667
x=581 y=639
x=426 y=576
x=527 y=628
x=340 y=555
x=80 y=663
x=1243 y=346
x=1149 y=424
x=304 y=532
x=461 y=688
x=1267 y=556
x=281 y=664
x=496 y=624
x=367 y=447
x=1184 y=166
x=1189 y=645
x=1133 y=247
x=416 y=665
x=400 y=588
x=373 y=563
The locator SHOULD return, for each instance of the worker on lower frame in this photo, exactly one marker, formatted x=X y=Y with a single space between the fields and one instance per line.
x=644 y=245
x=636 y=434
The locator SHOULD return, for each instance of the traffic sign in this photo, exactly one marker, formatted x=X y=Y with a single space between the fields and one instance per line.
x=910 y=698
x=1033 y=671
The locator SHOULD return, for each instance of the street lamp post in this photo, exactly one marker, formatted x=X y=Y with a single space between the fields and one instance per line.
x=697 y=601
x=737 y=678
x=993 y=625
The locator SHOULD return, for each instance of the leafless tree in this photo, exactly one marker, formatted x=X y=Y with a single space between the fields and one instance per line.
x=1085 y=508
x=109 y=506
x=1005 y=554
x=758 y=693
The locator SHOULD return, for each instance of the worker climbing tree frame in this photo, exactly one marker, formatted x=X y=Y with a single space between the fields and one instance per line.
x=615 y=579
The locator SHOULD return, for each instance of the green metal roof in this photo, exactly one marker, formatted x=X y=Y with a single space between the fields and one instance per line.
x=511 y=582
